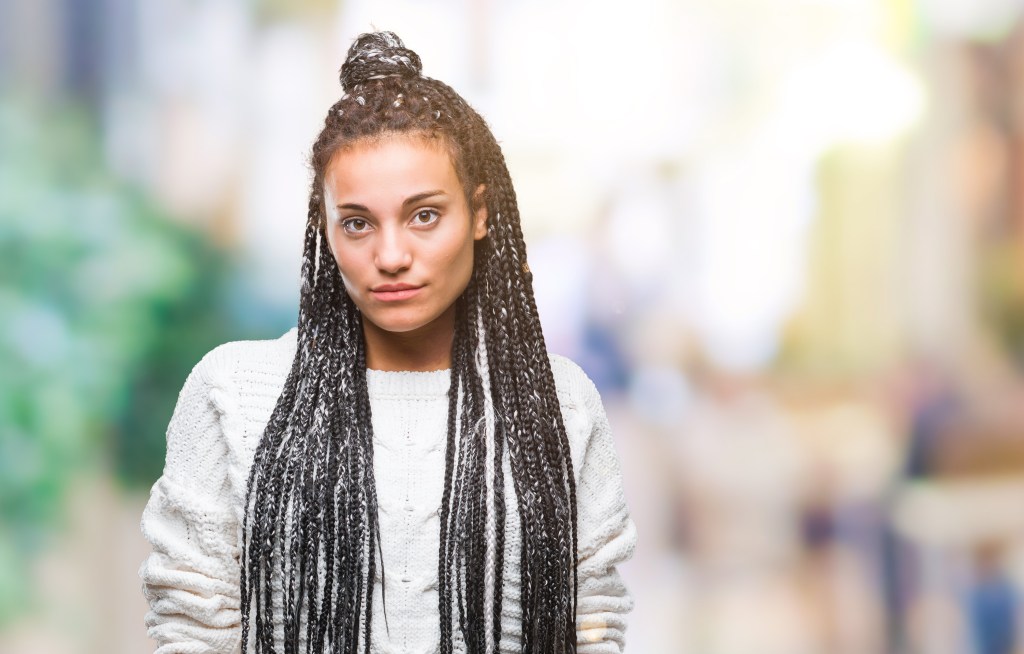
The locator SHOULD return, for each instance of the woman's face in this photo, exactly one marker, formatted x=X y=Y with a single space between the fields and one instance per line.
x=400 y=229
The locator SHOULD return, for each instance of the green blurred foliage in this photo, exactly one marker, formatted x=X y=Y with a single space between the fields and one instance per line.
x=106 y=305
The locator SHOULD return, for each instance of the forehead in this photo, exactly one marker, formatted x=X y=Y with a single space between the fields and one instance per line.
x=392 y=165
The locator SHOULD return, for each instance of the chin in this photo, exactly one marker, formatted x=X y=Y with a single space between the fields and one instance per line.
x=397 y=324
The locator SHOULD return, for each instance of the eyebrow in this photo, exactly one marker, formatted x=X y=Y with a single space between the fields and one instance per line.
x=412 y=199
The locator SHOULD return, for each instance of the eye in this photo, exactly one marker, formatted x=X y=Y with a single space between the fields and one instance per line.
x=426 y=217
x=354 y=225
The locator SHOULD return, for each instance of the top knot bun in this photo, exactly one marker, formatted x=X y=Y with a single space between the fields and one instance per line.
x=375 y=55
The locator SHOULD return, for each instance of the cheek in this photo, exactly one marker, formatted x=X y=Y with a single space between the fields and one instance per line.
x=460 y=262
x=332 y=245
x=347 y=261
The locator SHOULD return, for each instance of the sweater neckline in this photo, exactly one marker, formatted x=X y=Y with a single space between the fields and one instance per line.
x=408 y=383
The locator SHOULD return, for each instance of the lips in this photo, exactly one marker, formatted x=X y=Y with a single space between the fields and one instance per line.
x=394 y=292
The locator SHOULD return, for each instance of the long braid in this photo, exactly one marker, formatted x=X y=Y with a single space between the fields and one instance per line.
x=311 y=494
x=509 y=269
x=444 y=511
x=496 y=572
x=544 y=395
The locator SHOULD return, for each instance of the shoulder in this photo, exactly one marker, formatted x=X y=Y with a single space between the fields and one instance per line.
x=606 y=534
x=239 y=381
x=229 y=394
x=244 y=362
x=583 y=413
x=574 y=387
x=259 y=353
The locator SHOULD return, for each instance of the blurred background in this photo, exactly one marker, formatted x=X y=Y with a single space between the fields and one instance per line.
x=784 y=237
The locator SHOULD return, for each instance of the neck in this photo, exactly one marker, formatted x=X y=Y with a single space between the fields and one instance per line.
x=423 y=349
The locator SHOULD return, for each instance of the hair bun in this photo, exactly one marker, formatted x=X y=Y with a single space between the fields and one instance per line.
x=375 y=55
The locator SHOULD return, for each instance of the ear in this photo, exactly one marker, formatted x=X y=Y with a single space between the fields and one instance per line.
x=479 y=213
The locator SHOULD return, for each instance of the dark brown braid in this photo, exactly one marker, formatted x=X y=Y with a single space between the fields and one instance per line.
x=311 y=498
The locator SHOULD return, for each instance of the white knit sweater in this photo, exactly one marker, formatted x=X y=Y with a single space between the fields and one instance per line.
x=193 y=519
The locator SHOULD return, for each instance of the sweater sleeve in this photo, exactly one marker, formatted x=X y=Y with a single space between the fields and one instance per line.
x=191 y=577
x=607 y=536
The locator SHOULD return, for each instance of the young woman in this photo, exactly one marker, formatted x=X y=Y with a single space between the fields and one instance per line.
x=407 y=470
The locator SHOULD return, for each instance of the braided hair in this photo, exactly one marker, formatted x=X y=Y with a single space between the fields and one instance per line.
x=311 y=503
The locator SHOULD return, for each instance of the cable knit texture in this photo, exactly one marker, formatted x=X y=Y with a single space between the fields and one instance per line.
x=193 y=519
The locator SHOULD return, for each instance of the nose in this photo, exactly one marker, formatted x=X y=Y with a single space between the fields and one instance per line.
x=392 y=254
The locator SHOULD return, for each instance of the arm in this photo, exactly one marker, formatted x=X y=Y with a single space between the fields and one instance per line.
x=191 y=578
x=607 y=537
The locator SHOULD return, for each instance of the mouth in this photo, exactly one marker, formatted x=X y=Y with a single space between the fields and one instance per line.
x=394 y=292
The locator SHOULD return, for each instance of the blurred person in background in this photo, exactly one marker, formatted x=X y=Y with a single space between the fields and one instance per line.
x=409 y=454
